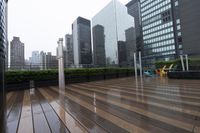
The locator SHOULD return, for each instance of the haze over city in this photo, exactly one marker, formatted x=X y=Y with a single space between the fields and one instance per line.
x=39 y=24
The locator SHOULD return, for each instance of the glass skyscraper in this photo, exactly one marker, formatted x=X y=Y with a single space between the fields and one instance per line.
x=81 y=32
x=159 y=22
x=115 y=20
x=3 y=43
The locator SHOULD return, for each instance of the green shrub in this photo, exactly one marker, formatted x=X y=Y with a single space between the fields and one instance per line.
x=13 y=77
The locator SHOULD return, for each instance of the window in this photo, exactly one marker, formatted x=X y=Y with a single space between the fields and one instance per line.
x=176 y=3
x=178 y=27
x=178 y=21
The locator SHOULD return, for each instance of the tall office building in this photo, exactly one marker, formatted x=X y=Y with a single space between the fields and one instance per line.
x=99 y=55
x=81 y=31
x=122 y=53
x=161 y=30
x=51 y=61
x=189 y=24
x=3 y=42
x=69 y=50
x=131 y=45
x=42 y=58
x=115 y=20
x=35 y=59
x=133 y=8
x=17 y=54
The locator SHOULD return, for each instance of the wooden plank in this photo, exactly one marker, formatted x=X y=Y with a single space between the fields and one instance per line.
x=87 y=123
x=73 y=125
x=14 y=115
x=56 y=125
x=26 y=124
x=40 y=123
x=177 y=125
x=110 y=122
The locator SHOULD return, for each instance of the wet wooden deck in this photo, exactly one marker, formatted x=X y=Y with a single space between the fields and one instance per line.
x=117 y=106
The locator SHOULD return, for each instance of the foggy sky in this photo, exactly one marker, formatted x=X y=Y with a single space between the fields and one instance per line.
x=39 y=23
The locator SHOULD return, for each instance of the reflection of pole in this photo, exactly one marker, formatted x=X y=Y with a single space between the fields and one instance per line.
x=135 y=65
x=61 y=65
x=182 y=63
x=187 y=63
x=140 y=61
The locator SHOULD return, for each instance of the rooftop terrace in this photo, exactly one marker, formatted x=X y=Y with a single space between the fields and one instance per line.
x=151 y=105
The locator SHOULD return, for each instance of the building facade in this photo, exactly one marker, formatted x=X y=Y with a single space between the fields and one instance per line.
x=189 y=22
x=42 y=58
x=69 y=50
x=51 y=61
x=99 y=55
x=162 y=40
x=131 y=45
x=35 y=60
x=82 y=42
x=16 y=54
x=133 y=8
x=3 y=43
x=114 y=28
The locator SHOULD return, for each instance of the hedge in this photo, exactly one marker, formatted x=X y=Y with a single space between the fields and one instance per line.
x=14 y=77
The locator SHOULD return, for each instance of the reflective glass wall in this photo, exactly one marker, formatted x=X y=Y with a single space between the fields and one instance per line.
x=114 y=20
x=3 y=40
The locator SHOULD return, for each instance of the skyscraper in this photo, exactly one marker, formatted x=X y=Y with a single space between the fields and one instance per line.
x=51 y=61
x=69 y=50
x=189 y=24
x=42 y=60
x=131 y=46
x=35 y=60
x=122 y=53
x=3 y=42
x=115 y=20
x=17 y=54
x=99 y=55
x=82 y=42
x=134 y=10
x=161 y=30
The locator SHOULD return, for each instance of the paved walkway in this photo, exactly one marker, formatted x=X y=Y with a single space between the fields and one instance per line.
x=117 y=106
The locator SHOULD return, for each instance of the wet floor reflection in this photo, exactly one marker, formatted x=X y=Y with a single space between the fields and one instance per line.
x=142 y=105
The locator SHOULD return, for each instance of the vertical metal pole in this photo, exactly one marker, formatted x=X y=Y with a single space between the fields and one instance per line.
x=135 y=64
x=140 y=61
x=182 y=62
x=187 y=62
x=61 y=65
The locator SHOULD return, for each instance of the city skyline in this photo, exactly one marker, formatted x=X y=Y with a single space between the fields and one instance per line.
x=39 y=29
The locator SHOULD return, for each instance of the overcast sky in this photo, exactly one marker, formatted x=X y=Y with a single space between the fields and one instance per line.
x=39 y=23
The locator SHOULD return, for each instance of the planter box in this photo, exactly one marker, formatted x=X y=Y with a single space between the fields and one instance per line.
x=184 y=75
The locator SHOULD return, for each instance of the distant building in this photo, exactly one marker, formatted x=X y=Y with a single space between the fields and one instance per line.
x=131 y=46
x=69 y=50
x=99 y=55
x=42 y=60
x=16 y=54
x=35 y=60
x=51 y=61
x=82 y=42
x=134 y=10
x=122 y=53
x=115 y=20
